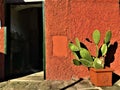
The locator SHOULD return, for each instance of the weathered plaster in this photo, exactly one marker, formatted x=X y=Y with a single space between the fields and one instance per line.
x=78 y=18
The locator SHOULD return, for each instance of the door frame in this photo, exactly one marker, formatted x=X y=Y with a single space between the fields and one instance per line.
x=7 y=24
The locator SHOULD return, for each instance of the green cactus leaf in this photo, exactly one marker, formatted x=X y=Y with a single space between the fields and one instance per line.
x=107 y=36
x=73 y=47
x=76 y=62
x=77 y=42
x=75 y=54
x=84 y=53
x=97 y=51
x=98 y=64
x=86 y=62
x=96 y=36
x=104 y=49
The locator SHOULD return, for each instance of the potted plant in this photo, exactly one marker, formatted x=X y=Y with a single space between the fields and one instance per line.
x=100 y=75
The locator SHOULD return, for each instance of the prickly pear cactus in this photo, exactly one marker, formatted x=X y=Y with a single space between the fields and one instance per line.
x=104 y=49
x=84 y=53
x=98 y=63
x=84 y=57
x=108 y=36
x=73 y=47
x=105 y=45
x=96 y=36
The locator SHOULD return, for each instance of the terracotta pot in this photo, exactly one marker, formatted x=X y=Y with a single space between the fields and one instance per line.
x=101 y=77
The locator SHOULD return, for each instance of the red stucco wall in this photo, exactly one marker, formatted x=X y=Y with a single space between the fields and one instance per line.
x=67 y=19
x=2 y=40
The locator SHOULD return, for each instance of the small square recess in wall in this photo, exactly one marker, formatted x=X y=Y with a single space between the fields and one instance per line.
x=60 y=46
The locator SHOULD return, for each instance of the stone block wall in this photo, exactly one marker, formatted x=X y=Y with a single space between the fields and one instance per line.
x=67 y=19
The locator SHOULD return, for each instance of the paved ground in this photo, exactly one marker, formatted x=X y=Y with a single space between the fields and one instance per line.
x=36 y=82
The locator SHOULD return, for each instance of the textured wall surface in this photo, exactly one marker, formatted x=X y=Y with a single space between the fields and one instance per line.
x=2 y=40
x=67 y=19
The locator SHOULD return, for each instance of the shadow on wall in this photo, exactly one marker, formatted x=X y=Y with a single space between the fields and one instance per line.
x=110 y=54
x=2 y=66
x=110 y=58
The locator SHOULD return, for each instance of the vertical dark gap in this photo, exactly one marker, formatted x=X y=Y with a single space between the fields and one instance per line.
x=40 y=27
x=7 y=56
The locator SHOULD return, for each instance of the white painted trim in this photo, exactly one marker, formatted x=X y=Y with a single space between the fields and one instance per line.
x=18 y=1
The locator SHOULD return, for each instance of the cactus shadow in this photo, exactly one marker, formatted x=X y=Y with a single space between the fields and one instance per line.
x=110 y=54
x=83 y=45
x=110 y=58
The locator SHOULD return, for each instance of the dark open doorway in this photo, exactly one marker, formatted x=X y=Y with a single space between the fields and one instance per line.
x=25 y=39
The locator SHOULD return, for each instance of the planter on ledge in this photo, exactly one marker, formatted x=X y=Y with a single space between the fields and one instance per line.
x=101 y=77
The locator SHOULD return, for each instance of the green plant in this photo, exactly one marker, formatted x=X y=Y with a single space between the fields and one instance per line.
x=84 y=57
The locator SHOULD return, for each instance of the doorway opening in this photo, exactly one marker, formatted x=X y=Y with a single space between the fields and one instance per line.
x=25 y=39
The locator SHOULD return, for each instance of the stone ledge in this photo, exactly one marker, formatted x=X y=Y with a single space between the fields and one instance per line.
x=33 y=84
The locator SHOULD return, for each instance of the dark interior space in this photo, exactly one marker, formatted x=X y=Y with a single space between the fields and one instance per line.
x=24 y=39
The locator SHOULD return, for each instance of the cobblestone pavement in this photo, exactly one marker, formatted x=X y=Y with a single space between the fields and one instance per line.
x=36 y=82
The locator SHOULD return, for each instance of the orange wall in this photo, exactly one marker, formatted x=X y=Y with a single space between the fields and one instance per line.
x=67 y=19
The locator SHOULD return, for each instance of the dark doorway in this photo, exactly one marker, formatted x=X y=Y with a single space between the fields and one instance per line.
x=25 y=39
